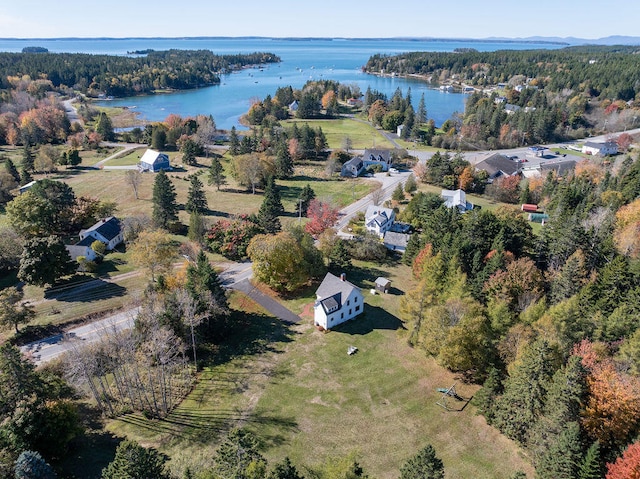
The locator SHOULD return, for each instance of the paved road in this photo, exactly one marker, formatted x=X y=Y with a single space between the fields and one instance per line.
x=126 y=148
x=47 y=349
x=270 y=304
x=389 y=183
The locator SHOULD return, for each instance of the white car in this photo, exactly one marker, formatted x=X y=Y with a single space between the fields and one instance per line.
x=393 y=170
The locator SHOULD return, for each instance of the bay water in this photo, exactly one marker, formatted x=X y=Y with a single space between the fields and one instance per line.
x=302 y=60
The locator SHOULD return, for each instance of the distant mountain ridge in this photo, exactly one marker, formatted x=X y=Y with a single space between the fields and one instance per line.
x=610 y=40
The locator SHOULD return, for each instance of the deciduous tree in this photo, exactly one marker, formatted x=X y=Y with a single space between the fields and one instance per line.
x=12 y=311
x=626 y=466
x=133 y=178
x=154 y=251
x=44 y=260
x=321 y=216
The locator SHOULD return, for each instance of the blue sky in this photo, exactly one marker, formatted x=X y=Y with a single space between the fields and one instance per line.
x=327 y=18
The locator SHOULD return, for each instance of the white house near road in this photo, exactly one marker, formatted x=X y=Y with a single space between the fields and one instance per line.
x=601 y=149
x=378 y=220
x=337 y=301
x=457 y=199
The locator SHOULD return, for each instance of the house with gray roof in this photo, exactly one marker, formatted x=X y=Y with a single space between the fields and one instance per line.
x=337 y=301
x=497 y=165
x=352 y=168
x=377 y=157
x=378 y=220
x=109 y=231
x=154 y=161
x=396 y=241
x=601 y=149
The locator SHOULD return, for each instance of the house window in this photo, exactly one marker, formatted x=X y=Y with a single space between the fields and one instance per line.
x=355 y=300
x=348 y=302
x=358 y=308
x=349 y=312
x=341 y=315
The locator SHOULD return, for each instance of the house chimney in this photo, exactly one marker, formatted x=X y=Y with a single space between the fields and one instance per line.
x=343 y=276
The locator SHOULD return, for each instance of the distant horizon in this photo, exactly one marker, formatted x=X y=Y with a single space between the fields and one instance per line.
x=532 y=39
x=467 y=19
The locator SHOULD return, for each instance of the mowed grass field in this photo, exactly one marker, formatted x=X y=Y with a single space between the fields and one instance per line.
x=362 y=134
x=304 y=397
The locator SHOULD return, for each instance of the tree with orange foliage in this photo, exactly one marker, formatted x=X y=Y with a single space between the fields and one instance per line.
x=612 y=411
x=465 y=180
x=330 y=102
x=624 y=141
x=520 y=284
x=626 y=466
x=627 y=230
x=505 y=189
x=590 y=171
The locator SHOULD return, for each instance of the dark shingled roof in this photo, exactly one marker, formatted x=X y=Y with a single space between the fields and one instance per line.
x=496 y=163
x=109 y=228
x=334 y=288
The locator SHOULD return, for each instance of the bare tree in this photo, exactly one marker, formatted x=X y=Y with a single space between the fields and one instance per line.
x=133 y=178
x=377 y=195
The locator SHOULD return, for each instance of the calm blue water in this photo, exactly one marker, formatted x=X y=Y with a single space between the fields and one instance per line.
x=302 y=60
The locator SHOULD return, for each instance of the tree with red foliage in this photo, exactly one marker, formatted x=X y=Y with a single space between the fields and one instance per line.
x=321 y=216
x=624 y=141
x=626 y=466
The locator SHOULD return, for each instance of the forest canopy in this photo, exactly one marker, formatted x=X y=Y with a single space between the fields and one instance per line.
x=125 y=75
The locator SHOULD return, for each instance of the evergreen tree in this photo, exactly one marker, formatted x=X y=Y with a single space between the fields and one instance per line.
x=165 y=209
x=410 y=186
x=398 y=193
x=306 y=195
x=485 y=399
x=104 y=127
x=238 y=457
x=11 y=169
x=525 y=391
x=31 y=465
x=409 y=123
x=283 y=161
x=591 y=467
x=133 y=461
x=234 y=142
x=216 y=174
x=424 y=465
x=340 y=256
x=25 y=177
x=284 y=470
x=271 y=208
x=74 y=157
x=202 y=278
x=196 y=198
x=196 y=227
x=190 y=150
x=27 y=158
x=561 y=460
x=158 y=138
x=421 y=114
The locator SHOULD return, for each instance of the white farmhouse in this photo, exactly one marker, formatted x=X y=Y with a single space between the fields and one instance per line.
x=456 y=199
x=108 y=230
x=601 y=149
x=337 y=301
x=378 y=220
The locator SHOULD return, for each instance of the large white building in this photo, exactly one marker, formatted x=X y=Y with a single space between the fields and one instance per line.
x=601 y=149
x=337 y=301
x=378 y=220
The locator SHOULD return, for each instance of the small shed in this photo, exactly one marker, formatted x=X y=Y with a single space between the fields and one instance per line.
x=383 y=285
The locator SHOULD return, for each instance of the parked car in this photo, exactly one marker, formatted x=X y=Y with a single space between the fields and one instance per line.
x=393 y=170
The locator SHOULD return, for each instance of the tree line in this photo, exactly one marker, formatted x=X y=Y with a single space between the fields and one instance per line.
x=125 y=75
x=549 y=323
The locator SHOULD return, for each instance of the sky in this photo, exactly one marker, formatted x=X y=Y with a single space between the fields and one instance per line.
x=323 y=18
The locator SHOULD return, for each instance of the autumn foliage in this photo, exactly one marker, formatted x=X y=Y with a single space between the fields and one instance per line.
x=612 y=411
x=321 y=216
x=626 y=466
x=627 y=232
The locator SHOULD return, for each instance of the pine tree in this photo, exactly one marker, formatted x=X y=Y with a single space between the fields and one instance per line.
x=284 y=470
x=165 y=209
x=485 y=398
x=424 y=465
x=27 y=158
x=421 y=114
x=591 y=467
x=234 y=142
x=25 y=177
x=216 y=174
x=283 y=161
x=271 y=208
x=561 y=459
x=74 y=157
x=398 y=193
x=104 y=127
x=196 y=227
x=340 y=256
x=133 y=461
x=31 y=465
x=410 y=186
x=306 y=195
x=196 y=198
x=202 y=278
x=525 y=391
x=11 y=169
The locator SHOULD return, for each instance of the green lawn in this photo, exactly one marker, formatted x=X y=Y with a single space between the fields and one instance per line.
x=299 y=391
x=362 y=134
